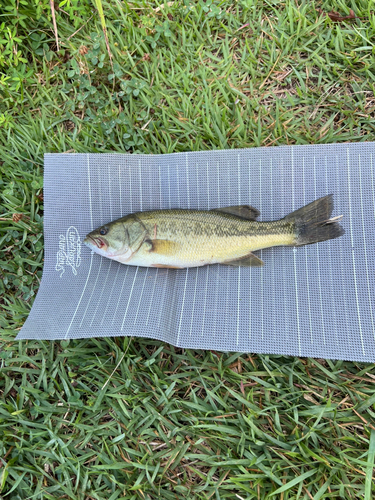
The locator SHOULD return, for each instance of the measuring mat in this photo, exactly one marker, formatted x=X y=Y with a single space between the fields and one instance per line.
x=317 y=300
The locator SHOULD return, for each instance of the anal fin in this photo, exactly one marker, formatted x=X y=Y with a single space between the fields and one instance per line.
x=249 y=260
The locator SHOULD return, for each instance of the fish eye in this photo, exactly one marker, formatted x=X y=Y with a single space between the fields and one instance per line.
x=103 y=231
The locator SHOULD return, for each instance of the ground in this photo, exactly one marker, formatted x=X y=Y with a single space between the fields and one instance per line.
x=116 y=418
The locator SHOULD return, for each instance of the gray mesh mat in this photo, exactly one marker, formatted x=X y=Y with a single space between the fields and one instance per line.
x=312 y=301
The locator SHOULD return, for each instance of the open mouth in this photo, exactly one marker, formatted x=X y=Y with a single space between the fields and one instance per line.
x=97 y=241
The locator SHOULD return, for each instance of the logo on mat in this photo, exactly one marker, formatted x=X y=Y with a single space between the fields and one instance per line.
x=69 y=253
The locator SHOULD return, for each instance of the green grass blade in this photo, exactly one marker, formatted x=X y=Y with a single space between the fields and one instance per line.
x=369 y=484
x=289 y=485
x=99 y=7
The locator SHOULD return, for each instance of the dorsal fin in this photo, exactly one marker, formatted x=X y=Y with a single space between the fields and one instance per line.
x=243 y=211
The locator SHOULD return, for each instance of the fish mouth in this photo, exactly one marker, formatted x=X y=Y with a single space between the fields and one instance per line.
x=98 y=242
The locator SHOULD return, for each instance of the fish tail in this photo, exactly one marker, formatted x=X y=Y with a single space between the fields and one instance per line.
x=313 y=222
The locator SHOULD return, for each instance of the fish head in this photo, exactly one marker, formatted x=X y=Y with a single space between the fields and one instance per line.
x=110 y=240
x=117 y=240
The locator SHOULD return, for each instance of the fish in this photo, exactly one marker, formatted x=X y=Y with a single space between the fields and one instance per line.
x=183 y=238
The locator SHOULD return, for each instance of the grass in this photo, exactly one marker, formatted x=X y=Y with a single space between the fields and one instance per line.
x=115 y=418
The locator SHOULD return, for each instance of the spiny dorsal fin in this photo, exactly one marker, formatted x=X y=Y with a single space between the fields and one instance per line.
x=249 y=260
x=243 y=211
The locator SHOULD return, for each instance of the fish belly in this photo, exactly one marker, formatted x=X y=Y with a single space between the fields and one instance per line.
x=198 y=252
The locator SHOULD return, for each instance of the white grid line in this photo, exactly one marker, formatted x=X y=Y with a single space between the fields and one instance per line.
x=163 y=299
x=120 y=193
x=208 y=191
x=92 y=253
x=178 y=187
x=218 y=185
x=238 y=305
x=205 y=300
x=101 y=293
x=182 y=307
x=92 y=291
x=261 y=255
x=157 y=270
x=273 y=258
x=152 y=296
x=318 y=267
x=239 y=179
x=161 y=206
x=111 y=216
x=197 y=269
x=119 y=297
x=79 y=302
x=194 y=296
x=330 y=263
x=144 y=280
x=140 y=184
x=130 y=191
x=140 y=298
x=216 y=300
x=239 y=269
x=187 y=180
x=89 y=184
x=365 y=244
x=109 y=191
x=110 y=295
x=286 y=318
x=295 y=264
x=100 y=197
x=297 y=304
x=169 y=192
x=228 y=267
x=110 y=264
x=306 y=260
x=250 y=277
x=198 y=201
x=161 y=196
x=129 y=299
x=218 y=268
x=226 y=301
x=342 y=256
x=187 y=271
x=373 y=204
x=353 y=256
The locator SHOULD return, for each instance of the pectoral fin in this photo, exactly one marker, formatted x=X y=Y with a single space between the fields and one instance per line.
x=249 y=260
x=162 y=247
x=243 y=211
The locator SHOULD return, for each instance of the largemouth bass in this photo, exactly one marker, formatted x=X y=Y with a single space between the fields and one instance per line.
x=190 y=238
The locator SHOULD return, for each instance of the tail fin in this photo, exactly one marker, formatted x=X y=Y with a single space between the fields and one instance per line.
x=313 y=222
